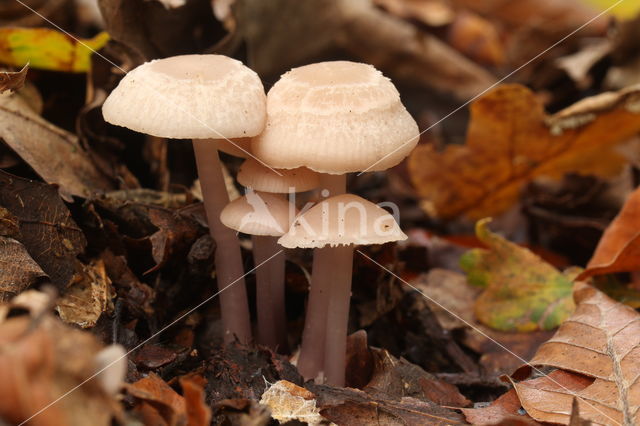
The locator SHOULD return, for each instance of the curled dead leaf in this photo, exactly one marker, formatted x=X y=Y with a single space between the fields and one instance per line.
x=88 y=295
x=55 y=154
x=18 y=270
x=619 y=247
x=13 y=81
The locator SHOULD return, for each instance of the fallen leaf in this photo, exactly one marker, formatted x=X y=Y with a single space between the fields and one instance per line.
x=522 y=292
x=394 y=378
x=289 y=402
x=622 y=10
x=48 y=49
x=346 y=406
x=47 y=230
x=88 y=295
x=575 y=419
x=152 y=356
x=504 y=410
x=598 y=348
x=493 y=358
x=198 y=412
x=18 y=271
x=13 y=81
x=55 y=154
x=511 y=141
x=41 y=360
x=158 y=401
x=619 y=247
x=168 y=232
x=231 y=372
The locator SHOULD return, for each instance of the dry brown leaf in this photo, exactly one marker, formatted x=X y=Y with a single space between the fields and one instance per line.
x=394 y=378
x=87 y=296
x=41 y=360
x=13 y=80
x=511 y=141
x=53 y=153
x=47 y=230
x=289 y=402
x=198 y=412
x=158 y=403
x=351 y=407
x=619 y=247
x=597 y=351
x=18 y=270
x=503 y=410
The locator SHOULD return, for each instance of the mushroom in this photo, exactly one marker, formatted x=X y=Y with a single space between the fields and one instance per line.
x=265 y=217
x=199 y=97
x=340 y=222
x=334 y=118
x=254 y=175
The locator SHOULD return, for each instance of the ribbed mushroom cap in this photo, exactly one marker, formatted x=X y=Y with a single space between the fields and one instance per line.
x=258 y=213
x=335 y=117
x=189 y=96
x=342 y=220
x=254 y=175
x=241 y=147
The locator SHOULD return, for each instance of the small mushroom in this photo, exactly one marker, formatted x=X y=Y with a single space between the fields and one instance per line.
x=200 y=97
x=335 y=226
x=257 y=177
x=265 y=217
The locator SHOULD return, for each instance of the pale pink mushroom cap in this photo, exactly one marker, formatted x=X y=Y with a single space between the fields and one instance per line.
x=259 y=213
x=255 y=175
x=335 y=117
x=342 y=220
x=189 y=97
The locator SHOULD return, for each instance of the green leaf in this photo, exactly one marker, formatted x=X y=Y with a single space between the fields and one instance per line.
x=522 y=291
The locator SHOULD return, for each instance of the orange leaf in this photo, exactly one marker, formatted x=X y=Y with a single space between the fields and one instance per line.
x=511 y=141
x=198 y=411
x=158 y=401
x=619 y=247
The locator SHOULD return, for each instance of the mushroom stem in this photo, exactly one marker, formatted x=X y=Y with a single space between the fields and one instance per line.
x=228 y=258
x=270 y=293
x=311 y=360
x=335 y=184
x=339 y=294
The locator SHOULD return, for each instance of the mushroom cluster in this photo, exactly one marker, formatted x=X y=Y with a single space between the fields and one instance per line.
x=317 y=124
x=335 y=118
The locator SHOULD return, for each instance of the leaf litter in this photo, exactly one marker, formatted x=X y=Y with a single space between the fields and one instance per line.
x=107 y=217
